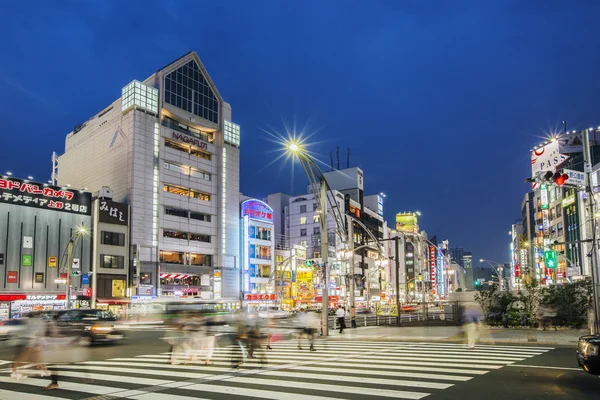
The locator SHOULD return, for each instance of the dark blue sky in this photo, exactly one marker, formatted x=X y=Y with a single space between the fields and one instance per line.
x=439 y=101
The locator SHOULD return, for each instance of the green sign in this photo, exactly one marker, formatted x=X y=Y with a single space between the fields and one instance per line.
x=550 y=259
x=544 y=196
x=27 y=261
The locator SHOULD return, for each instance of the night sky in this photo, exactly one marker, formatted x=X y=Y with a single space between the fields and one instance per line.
x=439 y=102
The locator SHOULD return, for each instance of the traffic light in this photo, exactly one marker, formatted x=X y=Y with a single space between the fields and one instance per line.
x=559 y=178
x=550 y=259
x=346 y=203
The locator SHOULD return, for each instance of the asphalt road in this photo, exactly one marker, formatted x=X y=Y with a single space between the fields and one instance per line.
x=137 y=368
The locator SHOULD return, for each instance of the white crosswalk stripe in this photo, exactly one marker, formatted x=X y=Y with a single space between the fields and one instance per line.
x=337 y=370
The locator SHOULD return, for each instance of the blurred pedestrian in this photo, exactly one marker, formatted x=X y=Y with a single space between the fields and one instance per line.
x=471 y=321
x=28 y=347
x=545 y=315
x=353 y=316
x=50 y=334
x=309 y=324
x=340 y=314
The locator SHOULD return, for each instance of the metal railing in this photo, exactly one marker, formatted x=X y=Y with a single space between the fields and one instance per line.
x=434 y=316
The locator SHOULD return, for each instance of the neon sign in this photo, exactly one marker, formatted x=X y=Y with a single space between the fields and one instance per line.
x=433 y=270
x=257 y=210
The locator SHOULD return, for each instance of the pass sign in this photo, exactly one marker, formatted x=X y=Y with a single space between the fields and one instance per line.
x=550 y=259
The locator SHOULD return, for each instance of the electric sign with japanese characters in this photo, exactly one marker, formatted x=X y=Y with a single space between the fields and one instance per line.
x=31 y=194
x=111 y=212
x=258 y=210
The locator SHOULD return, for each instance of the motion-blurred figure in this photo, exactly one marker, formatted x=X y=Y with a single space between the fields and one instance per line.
x=545 y=315
x=471 y=320
x=29 y=347
x=310 y=324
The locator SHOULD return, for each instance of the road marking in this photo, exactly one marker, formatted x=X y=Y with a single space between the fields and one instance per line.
x=354 y=390
x=9 y=394
x=544 y=367
x=311 y=377
x=394 y=374
x=77 y=387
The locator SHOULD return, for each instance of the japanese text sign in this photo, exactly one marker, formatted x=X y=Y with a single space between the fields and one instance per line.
x=23 y=193
x=258 y=210
x=112 y=212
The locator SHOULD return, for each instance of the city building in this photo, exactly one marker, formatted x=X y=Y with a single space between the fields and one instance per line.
x=168 y=148
x=43 y=229
x=258 y=248
x=456 y=254
x=110 y=281
x=467 y=264
x=512 y=274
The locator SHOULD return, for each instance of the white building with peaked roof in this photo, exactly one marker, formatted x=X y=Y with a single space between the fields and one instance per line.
x=167 y=147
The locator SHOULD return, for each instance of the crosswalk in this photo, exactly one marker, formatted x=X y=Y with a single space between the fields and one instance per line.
x=337 y=370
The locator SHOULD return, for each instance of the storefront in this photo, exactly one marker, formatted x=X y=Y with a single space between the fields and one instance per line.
x=15 y=305
x=184 y=285
x=119 y=308
x=255 y=301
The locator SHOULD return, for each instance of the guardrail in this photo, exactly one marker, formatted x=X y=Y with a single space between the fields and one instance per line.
x=434 y=316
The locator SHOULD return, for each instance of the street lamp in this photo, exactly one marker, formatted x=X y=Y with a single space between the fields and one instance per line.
x=80 y=231
x=499 y=268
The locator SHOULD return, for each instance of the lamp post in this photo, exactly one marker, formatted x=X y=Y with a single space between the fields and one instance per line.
x=499 y=268
x=68 y=254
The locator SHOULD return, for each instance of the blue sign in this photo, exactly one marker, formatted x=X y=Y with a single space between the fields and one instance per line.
x=85 y=279
x=258 y=210
x=293 y=276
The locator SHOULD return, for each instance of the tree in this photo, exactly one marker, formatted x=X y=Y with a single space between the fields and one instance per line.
x=571 y=301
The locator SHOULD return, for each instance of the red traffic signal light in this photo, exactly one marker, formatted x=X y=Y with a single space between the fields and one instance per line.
x=560 y=179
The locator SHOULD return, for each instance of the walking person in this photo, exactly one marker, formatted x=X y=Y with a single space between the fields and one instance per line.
x=471 y=321
x=340 y=314
x=29 y=348
x=50 y=336
x=353 y=316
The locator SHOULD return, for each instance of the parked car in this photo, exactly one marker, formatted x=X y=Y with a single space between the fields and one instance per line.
x=12 y=329
x=272 y=312
x=588 y=354
x=91 y=325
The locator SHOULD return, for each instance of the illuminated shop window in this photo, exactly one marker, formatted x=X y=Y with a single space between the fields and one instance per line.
x=138 y=95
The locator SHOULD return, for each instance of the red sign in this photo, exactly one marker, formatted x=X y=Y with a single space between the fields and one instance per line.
x=261 y=296
x=12 y=297
x=12 y=277
x=88 y=292
x=433 y=276
x=516 y=270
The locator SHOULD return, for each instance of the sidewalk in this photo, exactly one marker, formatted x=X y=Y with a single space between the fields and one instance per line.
x=453 y=334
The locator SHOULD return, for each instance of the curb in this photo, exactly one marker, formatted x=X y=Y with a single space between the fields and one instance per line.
x=451 y=339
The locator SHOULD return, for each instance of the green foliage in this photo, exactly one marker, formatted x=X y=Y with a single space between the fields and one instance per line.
x=458 y=290
x=571 y=301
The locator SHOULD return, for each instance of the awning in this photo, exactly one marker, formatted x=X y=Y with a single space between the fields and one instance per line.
x=174 y=276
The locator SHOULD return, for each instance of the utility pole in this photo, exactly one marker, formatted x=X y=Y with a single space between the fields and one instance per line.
x=397 y=260
x=324 y=258
x=70 y=249
x=351 y=301
x=587 y=165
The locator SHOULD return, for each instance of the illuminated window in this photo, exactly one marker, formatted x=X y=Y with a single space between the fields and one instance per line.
x=188 y=89
x=187 y=170
x=187 y=149
x=201 y=259
x=231 y=133
x=315 y=219
x=171 y=257
x=186 y=192
x=138 y=95
x=175 y=234
x=302 y=220
x=200 y=238
x=114 y=262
